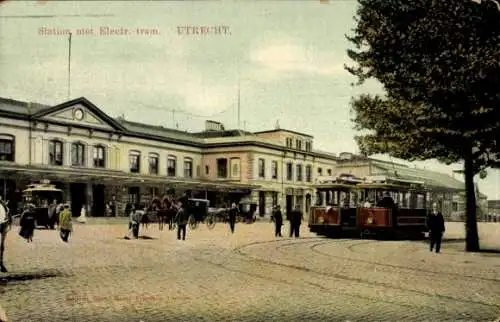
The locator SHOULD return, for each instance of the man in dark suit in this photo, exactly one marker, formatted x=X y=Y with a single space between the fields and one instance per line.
x=435 y=224
x=295 y=221
x=277 y=217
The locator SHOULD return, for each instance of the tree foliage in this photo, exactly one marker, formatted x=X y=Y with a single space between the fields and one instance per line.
x=439 y=63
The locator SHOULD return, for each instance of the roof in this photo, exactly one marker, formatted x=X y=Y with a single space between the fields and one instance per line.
x=218 y=134
x=494 y=204
x=158 y=131
x=22 y=108
x=432 y=179
x=283 y=130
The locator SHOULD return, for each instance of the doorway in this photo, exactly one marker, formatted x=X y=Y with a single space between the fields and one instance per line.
x=78 y=197
x=262 y=203
x=308 y=203
x=289 y=204
x=99 y=202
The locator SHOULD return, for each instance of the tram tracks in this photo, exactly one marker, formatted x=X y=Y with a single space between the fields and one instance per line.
x=249 y=258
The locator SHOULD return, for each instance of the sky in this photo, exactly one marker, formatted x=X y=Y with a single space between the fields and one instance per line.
x=286 y=57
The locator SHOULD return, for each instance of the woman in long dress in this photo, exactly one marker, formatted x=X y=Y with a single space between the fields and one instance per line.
x=27 y=223
x=83 y=215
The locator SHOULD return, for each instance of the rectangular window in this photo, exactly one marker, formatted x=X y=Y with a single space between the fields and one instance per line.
x=55 y=152
x=7 y=149
x=308 y=146
x=274 y=170
x=308 y=173
x=298 y=144
x=153 y=163
x=172 y=166
x=299 y=172
x=289 y=171
x=320 y=171
x=329 y=172
x=262 y=168
x=77 y=154
x=98 y=157
x=188 y=168
x=134 y=161
x=289 y=142
x=221 y=168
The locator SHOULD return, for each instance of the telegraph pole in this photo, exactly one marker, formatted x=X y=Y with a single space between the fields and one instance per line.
x=69 y=68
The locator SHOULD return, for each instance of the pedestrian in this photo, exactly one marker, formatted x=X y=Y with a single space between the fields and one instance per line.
x=134 y=221
x=277 y=217
x=65 y=223
x=145 y=217
x=233 y=212
x=52 y=214
x=295 y=221
x=181 y=219
x=83 y=215
x=27 y=223
x=435 y=224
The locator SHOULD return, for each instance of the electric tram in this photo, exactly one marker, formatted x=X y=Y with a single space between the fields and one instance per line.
x=335 y=210
x=393 y=207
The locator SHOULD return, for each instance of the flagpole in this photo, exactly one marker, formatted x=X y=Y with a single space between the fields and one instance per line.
x=69 y=68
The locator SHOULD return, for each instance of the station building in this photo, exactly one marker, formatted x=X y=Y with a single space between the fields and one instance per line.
x=95 y=158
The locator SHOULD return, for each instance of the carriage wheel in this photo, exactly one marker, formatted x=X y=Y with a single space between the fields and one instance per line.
x=192 y=222
x=210 y=221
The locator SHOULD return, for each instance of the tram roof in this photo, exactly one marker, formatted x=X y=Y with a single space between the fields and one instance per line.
x=39 y=188
x=391 y=186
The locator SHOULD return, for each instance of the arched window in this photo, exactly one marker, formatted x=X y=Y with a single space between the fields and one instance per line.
x=7 y=145
x=154 y=160
x=99 y=156
x=56 y=152
x=134 y=161
x=78 y=154
x=188 y=167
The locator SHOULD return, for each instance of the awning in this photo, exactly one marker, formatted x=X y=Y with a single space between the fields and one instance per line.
x=114 y=177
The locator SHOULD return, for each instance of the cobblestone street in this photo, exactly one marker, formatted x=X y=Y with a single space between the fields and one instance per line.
x=248 y=276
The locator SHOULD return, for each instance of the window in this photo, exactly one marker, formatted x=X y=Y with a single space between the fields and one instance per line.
x=171 y=166
x=154 y=160
x=99 y=158
x=329 y=172
x=236 y=170
x=274 y=170
x=289 y=142
x=298 y=144
x=6 y=148
x=299 y=172
x=262 y=168
x=198 y=171
x=134 y=195
x=320 y=171
x=221 y=168
x=289 y=171
x=55 y=152
x=134 y=161
x=78 y=154
x=207 y=170
x=188 y=168
x=308 y=173
x=308 y=146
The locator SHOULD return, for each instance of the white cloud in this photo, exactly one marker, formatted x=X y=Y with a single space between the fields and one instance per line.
x=289 y=57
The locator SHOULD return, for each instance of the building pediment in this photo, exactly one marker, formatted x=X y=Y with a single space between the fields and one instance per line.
x=79 y=112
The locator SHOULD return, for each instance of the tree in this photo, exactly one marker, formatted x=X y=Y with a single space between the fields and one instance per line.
x=439 y=63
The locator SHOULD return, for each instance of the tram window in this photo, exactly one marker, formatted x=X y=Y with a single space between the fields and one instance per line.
x=319 y=198
x=420 y=202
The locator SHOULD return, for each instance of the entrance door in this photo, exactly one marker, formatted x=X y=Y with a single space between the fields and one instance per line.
x=262 y=203
x=78 y=197
x=99 y=206
x=289 y=205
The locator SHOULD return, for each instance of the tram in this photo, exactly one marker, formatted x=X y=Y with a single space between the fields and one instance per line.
x=41 y=195
x=393 y=207
x=335 y=211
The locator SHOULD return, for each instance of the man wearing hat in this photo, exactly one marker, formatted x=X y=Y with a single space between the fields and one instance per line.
x=277 y=217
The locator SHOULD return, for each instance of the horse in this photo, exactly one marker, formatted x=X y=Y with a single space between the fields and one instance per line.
x=5 y=221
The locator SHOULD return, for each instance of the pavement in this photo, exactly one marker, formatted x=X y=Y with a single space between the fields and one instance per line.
x=247 y=276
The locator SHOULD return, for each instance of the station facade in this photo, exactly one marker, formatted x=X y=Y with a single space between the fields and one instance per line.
x=96 y=159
